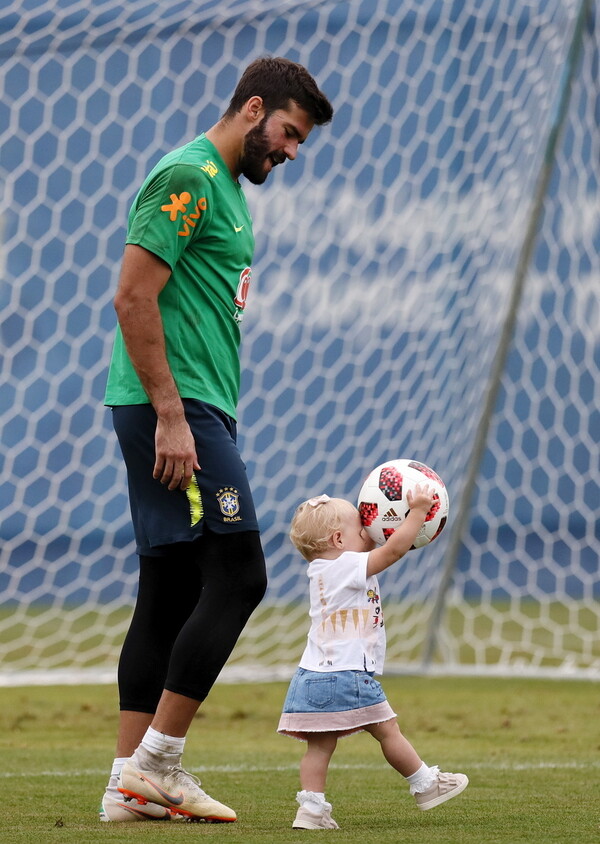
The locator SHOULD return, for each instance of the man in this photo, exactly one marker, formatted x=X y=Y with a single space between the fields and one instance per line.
x=173 y=387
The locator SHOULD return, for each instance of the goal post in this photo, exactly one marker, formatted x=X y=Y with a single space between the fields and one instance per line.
x=386 y=255
x=480 y=440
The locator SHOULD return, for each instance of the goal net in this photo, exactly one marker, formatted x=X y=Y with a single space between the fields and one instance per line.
x=386 y=260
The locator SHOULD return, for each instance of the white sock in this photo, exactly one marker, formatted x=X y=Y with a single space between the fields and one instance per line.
x=161 y=744
x=313 y=801
x=423 y=778
x=117 y=766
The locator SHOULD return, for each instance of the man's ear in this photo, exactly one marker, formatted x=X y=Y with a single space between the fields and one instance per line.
x=255 y=109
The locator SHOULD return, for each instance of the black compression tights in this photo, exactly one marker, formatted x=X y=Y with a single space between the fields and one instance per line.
x=191 y=607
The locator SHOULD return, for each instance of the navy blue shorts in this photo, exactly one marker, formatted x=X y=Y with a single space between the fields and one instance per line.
x=219 y=496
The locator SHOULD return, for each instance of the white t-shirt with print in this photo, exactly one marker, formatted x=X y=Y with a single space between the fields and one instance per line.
x=346 y=631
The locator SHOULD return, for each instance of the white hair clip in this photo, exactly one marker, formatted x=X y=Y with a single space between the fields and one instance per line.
x=320 y=499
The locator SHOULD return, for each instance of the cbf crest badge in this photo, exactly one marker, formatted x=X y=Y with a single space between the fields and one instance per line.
x=229 y=504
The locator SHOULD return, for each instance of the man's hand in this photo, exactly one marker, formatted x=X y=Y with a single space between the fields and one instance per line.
x=175 y=450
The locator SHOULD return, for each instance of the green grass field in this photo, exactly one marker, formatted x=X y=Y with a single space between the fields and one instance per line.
x=531 y=749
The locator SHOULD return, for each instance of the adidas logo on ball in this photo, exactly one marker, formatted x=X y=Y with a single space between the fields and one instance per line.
x=391 y=516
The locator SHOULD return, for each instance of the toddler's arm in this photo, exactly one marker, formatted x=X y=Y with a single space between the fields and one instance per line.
x=420 y=503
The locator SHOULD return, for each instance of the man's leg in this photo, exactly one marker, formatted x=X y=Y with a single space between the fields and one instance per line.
x=169 y=590
x=233 y=578
x=233 y=573
x=144 y=663
x=132 y=727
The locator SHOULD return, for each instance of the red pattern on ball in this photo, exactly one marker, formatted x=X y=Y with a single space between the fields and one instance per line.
x=368 y=512
x=434 y=508
x=390 y=483
x=440 y=529
x=429 y=473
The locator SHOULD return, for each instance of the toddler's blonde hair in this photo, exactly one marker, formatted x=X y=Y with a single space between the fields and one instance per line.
x=315 y=521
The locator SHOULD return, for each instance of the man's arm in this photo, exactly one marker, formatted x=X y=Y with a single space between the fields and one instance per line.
x=143 y=276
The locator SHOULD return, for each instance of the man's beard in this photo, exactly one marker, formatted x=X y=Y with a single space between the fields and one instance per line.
x=256 y=151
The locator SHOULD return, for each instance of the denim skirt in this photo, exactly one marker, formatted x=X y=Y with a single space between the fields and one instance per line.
x=335 y=701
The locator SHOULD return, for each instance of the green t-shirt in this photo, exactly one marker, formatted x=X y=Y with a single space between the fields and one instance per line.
x=192 y=214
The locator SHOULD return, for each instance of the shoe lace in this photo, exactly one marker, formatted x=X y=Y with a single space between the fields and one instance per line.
x=183 y=777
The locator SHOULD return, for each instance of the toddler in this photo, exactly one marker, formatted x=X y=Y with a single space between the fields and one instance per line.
x=333 y=692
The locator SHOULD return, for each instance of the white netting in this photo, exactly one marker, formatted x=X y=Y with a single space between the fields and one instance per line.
x=385 y=259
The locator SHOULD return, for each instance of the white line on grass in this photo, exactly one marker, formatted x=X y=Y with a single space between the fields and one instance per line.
x=257 y=769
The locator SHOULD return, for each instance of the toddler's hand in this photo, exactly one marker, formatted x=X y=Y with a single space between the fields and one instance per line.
x=421 y=498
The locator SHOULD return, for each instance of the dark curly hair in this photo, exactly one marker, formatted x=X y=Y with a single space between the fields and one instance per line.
x=277 y=81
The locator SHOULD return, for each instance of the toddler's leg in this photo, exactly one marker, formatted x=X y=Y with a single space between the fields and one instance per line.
x=397 y=749
x=429 y=786
x=315 y=811
x=315 y=762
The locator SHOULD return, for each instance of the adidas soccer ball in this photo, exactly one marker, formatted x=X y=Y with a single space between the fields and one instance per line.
x=382 y=500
